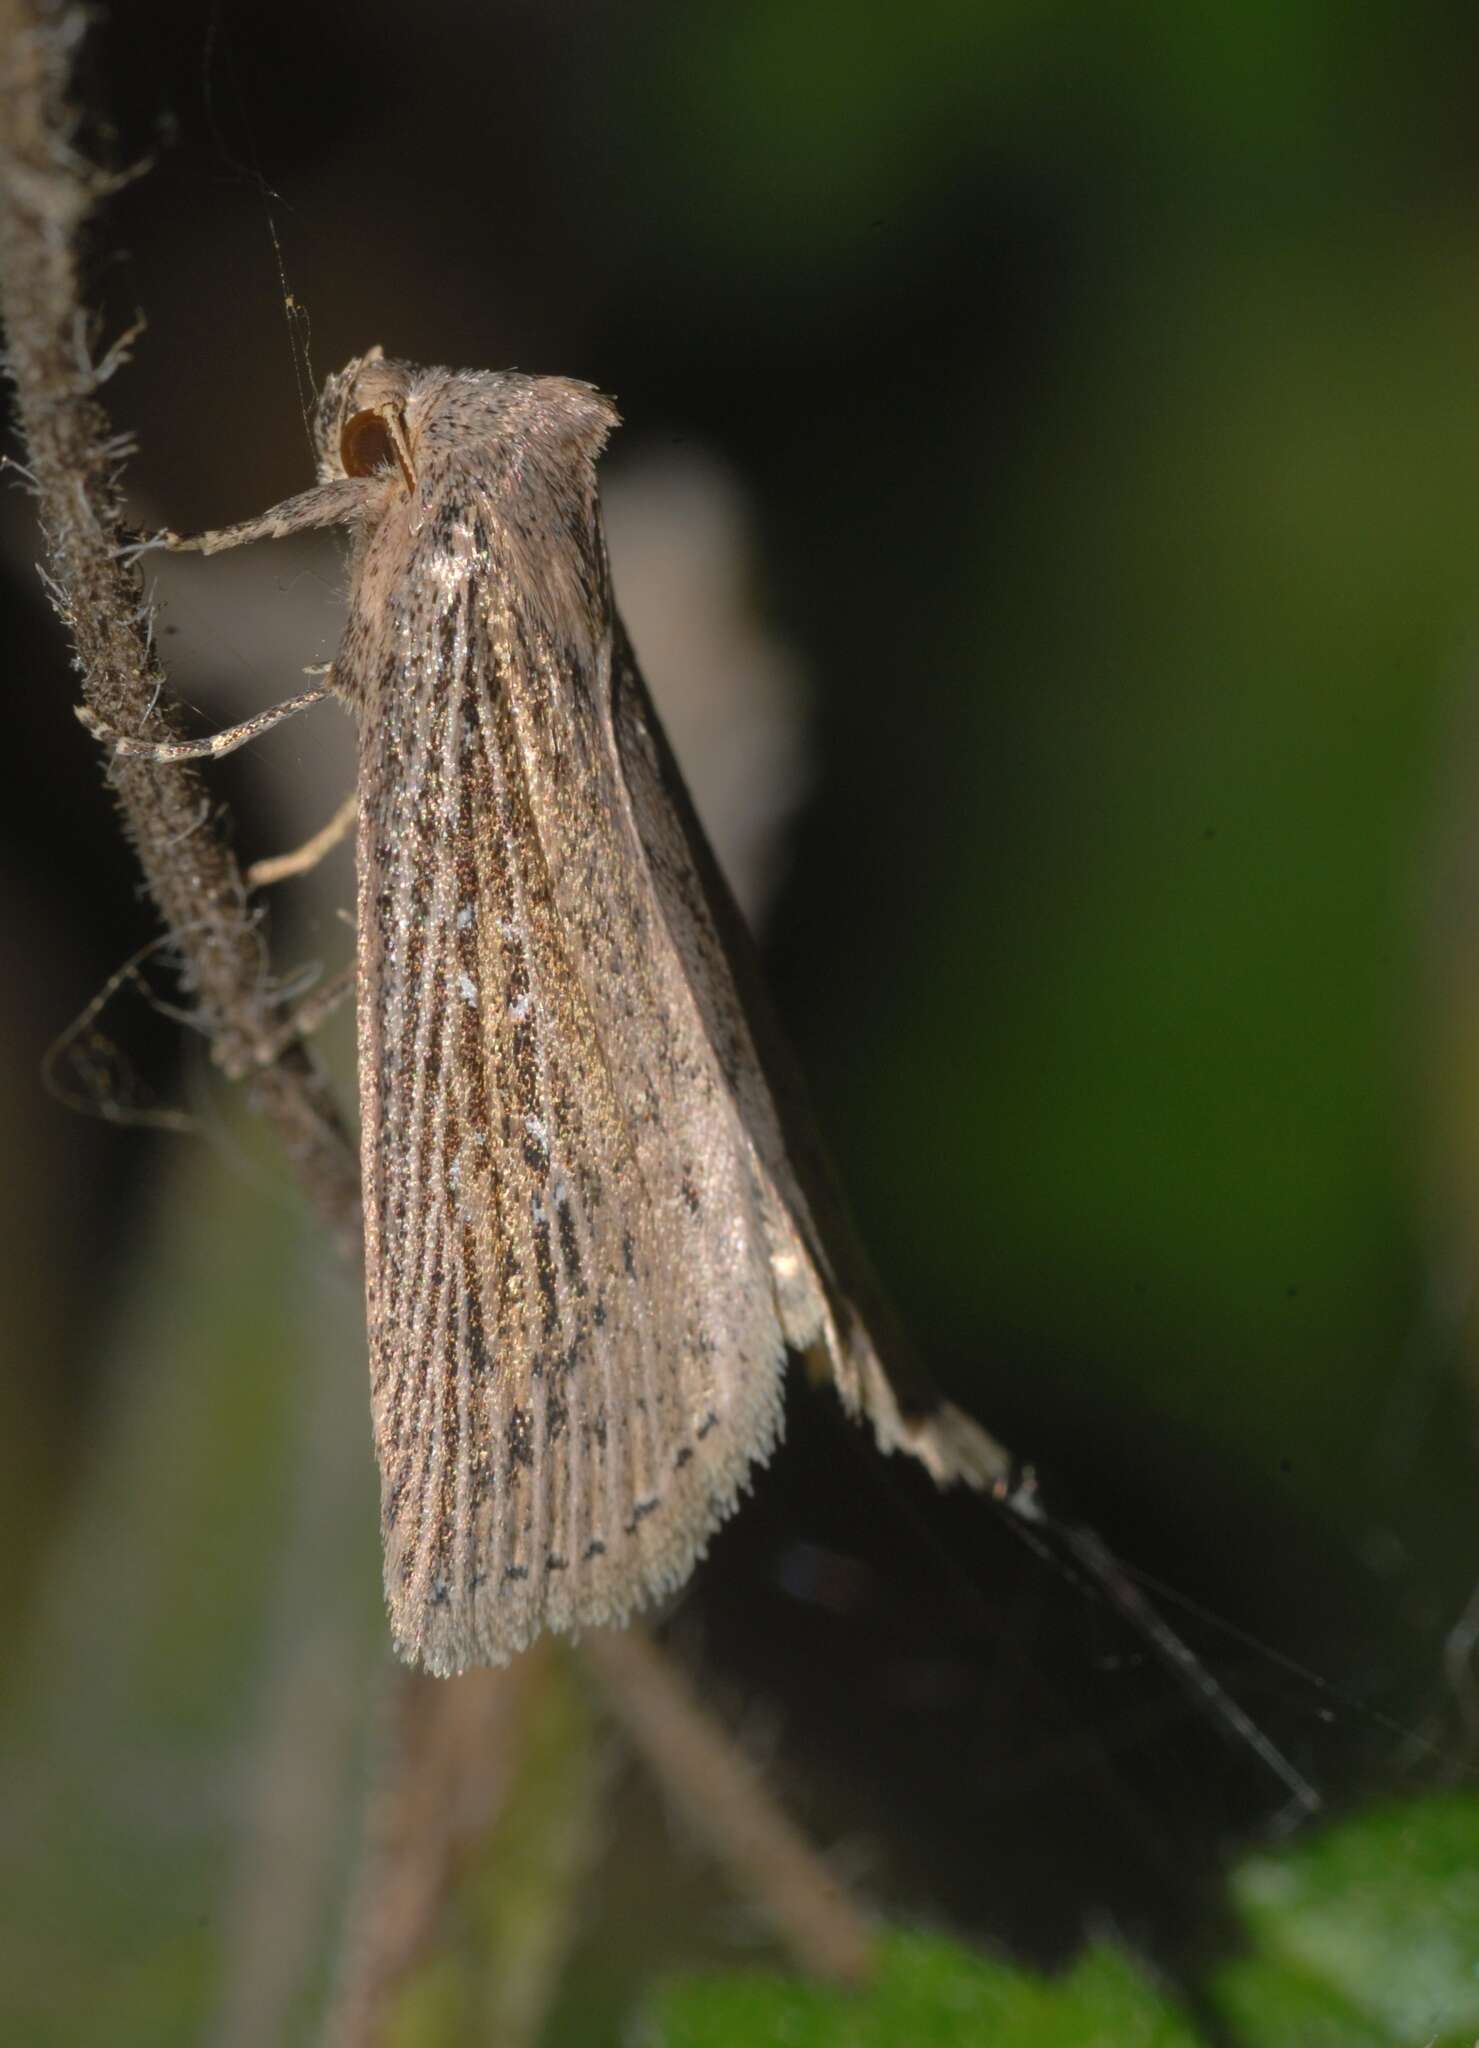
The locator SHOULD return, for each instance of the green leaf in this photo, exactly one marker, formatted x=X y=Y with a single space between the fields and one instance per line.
x=1362 y=1935
x=1381 y=1913
x=931 y=1993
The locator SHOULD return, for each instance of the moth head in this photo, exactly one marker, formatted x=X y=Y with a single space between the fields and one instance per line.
x=361 y=422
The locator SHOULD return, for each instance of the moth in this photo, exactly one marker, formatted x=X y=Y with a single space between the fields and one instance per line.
x=597 y=1220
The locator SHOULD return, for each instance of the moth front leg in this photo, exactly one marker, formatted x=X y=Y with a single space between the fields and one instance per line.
x=337 y=503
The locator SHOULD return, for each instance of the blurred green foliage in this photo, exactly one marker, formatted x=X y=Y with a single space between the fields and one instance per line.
x=1368 y=1934
x=190 y=1703
x=1383 y=1911
x=932 y=1993
x=1193 y=664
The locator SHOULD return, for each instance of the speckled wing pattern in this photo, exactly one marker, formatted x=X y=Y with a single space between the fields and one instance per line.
x=591 y=1234
x=574 y=1343
x=575 y=1350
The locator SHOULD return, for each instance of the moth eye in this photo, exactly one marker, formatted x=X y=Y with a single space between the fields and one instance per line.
x=365 y=444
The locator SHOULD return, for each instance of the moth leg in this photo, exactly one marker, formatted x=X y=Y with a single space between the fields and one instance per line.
x=280 y=866
x=200 y=750
x=312 y=1011
x=331 y=504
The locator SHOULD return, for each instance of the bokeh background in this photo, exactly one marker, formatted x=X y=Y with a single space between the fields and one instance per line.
x=1046 y=509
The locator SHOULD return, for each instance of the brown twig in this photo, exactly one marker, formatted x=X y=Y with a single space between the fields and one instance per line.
x=48 y=190
x=723 y=1800
x=448 y=1752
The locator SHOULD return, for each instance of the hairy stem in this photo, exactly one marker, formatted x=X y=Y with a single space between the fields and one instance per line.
x=48 y=190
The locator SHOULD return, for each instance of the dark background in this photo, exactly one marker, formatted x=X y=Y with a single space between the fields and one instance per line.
x=1085 y=405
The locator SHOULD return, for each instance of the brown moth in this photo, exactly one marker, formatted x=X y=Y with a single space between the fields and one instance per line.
x=595 y=1217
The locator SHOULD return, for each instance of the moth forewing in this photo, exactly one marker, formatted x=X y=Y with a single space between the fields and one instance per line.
x=593 y=1219
x=822 y=1279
